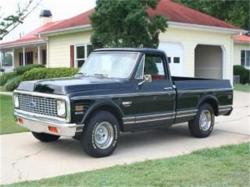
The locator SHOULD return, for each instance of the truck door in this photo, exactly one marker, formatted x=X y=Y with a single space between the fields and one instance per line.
x=157 y=97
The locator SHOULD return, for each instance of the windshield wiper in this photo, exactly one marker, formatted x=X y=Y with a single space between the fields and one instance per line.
x=101 y=75
x=81 y=74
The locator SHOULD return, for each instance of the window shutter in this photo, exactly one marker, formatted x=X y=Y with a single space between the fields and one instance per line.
x=243 y=58
x=72 y=56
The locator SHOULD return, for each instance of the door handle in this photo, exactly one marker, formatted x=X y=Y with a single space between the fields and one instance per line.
x=168 y=88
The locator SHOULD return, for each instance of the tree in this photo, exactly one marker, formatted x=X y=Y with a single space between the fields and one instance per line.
x=10 y=22
x=233 y=11
x=126 y=23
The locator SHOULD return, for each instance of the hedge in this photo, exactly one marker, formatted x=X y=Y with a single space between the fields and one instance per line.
x=6 y=76
x=243 y=73
x=10 y=81
x=45 y=73
x=22 y=69
x=13 y=83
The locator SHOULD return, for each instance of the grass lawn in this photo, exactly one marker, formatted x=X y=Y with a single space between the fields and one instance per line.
x=226 y=166
x=242 y=87
x=7 y=121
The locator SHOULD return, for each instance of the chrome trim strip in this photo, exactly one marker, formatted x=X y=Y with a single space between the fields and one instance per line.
x=225 y=106
x=164 y=116
x=204 y=90
x=34 y=115
x=37 y=125
x=186 y=115
x=225 y=109
x=121 y=95
x=186 y=111
x=62 y=97
x=148 y=120
x=150 y=115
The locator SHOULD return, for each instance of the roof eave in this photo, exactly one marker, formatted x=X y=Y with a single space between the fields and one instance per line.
x=67 y=30
x=170 y=23
x=205 y=28
x=22 y=44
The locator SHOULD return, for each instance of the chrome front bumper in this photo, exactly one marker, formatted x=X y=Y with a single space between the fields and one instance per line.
x=42 y=125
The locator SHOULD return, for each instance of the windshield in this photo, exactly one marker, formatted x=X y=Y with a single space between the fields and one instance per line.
x=110 y=64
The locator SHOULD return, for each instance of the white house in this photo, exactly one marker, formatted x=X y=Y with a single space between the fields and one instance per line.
x=242 y=50
x=196 y=44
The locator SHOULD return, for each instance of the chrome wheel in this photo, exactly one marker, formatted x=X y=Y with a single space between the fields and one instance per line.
x=103 y=135
x=205 y=120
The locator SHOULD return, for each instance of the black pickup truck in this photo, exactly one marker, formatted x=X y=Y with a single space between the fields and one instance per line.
x=118 y=90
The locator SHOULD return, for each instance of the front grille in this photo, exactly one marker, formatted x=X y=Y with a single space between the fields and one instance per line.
x=38 y=105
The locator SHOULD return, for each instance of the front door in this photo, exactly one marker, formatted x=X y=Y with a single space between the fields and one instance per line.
x=157 y=98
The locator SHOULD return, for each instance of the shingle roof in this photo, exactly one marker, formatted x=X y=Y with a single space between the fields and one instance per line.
x=179 y=13
x=32 y=36
x=175 y=12
x=242 y=39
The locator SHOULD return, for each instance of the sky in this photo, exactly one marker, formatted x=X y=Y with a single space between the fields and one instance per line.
x=61 y=9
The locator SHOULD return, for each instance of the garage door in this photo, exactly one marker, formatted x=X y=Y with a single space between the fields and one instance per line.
x=175 y=53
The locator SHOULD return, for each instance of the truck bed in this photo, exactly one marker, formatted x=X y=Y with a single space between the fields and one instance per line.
x=191 y=92
x=196 y=84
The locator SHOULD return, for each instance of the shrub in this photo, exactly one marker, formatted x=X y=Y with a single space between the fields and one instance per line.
x=22 y=69
x=13 y=83
x=5 y=77
x=45 y=73
x=243 y=73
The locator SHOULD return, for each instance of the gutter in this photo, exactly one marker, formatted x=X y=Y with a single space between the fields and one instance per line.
x=189 y=26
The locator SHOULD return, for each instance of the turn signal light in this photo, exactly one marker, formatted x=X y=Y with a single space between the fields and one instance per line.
x=20 y=121
x=53 y=129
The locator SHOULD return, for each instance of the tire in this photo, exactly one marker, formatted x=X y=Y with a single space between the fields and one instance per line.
x=44 y=137
x=100 y=137
x=199 y=127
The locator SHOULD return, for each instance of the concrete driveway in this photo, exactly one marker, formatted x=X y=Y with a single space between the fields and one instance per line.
x=24 y=158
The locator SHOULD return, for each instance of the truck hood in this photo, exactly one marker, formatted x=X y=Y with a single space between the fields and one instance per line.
x=63 y=86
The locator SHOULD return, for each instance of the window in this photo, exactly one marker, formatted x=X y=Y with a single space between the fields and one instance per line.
x=7 y=58
x=28 y=58
x=154 y=66
x=139 y=71
x=176 y=59
x=169 y=59
x=81 y=54
x=245 y=58
x=44 y=57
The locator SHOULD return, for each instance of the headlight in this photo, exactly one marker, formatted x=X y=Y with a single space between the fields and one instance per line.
x=16 y=101
x=61 y=108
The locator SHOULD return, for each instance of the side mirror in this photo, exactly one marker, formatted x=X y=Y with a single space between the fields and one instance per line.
x=146 y=78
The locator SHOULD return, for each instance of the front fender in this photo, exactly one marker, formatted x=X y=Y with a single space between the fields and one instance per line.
x=107 y=104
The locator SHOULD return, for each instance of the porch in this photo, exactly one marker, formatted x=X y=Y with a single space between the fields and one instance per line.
x=13 y=57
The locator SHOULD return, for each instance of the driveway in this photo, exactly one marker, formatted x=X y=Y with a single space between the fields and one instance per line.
x=24 y=158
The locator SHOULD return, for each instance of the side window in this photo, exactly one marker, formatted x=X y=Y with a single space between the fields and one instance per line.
x=154 y=66
x=139 y=73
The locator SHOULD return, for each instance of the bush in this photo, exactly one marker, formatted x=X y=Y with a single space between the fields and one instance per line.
x=5 y=77
x=13 y=83
x=45 y=73
x=243 y=73
x=22 y=69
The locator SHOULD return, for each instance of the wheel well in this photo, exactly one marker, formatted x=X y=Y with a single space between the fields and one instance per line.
x=213 y=103
x=110 y=109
